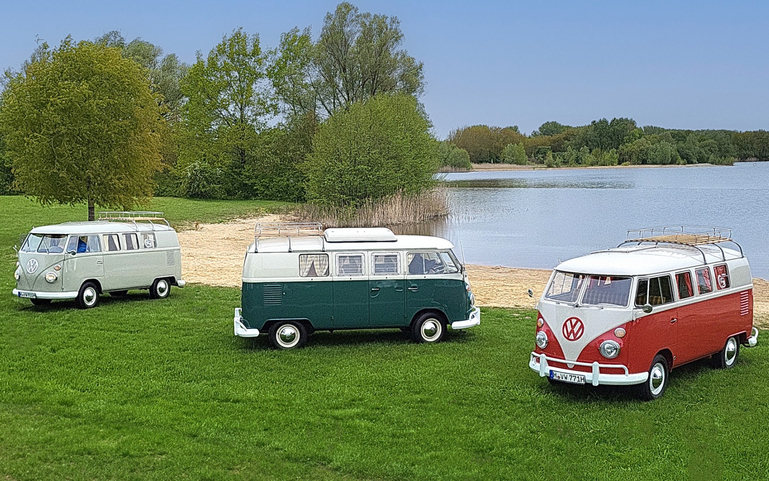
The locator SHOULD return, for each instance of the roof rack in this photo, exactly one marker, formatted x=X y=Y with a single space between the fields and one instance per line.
x=287 y=229
x=150 y=217
x=690 y=236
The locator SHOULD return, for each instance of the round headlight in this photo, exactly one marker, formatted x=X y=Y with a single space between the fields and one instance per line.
x=609 y=349
x=51 y=277
x=541 y=340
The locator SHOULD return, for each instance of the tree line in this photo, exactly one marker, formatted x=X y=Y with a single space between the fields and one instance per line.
x=333 y=119
x=603 y=142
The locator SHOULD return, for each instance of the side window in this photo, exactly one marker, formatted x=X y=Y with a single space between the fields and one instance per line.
x=654 y=291
x=684 y=282
x=84 y=244
x=703 y=280
x=416 y=263
x=421 y=263
x=722 y=276
x=349 y=265
x=385 y=264
x=660 y=291
x=131 y=243
x=112 y=242
x=642 y=294
x=148 y=240
x=313 y=265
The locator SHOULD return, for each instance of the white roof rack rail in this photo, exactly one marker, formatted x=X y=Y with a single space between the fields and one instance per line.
x=150 y=217
x=691 y=236
x=287 y=229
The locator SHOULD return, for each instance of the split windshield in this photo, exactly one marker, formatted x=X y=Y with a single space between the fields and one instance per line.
x=598 y=290
x=45 y=243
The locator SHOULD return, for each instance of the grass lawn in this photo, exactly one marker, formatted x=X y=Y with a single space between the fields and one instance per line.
x=161 y=389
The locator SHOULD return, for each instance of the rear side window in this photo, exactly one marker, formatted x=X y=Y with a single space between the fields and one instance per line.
x=131 y=242
x=313 y=265
x=349 y=265
x=148 y=240
x=655 y=291
x=684 y=282
x=703 y=280
x=722 y=276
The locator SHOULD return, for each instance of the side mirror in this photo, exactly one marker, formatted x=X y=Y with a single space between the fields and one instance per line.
x=530 y=293
x=647 y=308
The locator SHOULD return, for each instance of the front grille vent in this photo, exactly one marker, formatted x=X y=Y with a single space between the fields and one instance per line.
x=273 y=295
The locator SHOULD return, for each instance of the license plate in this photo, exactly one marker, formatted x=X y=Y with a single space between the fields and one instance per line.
x=27 y=294
x=567 y=377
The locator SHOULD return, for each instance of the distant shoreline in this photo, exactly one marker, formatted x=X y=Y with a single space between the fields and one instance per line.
x=513 y=167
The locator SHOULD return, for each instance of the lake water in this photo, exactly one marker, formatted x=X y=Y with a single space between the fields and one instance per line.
x=537 y=218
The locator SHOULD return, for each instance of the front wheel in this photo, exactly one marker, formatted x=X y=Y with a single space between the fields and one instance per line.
x=288 y=335
x=88 y=296
x=657 y=382
x=727 y=357
x=160 y=289
x=428 y=328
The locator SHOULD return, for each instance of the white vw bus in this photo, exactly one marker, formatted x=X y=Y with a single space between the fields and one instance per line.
x=298 y=278
x=628 y=315
x=82 y=260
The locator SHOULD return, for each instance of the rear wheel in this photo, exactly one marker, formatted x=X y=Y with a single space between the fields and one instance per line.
x=160 y=289
x=288 y=335
x=428 y=328
x=727 y=358
x=88 y=296
x=657 y=382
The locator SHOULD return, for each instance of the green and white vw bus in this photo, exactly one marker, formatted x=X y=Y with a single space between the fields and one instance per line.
x=298 y=278
x=82 y=260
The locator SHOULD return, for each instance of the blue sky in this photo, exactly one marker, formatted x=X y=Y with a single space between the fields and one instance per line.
x=675 y=64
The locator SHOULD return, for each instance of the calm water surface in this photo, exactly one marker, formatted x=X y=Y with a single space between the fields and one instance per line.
x=537 y=218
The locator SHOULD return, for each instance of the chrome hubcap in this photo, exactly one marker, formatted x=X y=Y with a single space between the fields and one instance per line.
x=431 y=329
x=288 y=336
x=730 y=353
x=89 y=296
x=657 y=379
x=162 y=288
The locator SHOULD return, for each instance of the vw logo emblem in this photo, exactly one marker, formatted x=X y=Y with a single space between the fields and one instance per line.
x=32 y=266
x=573 y=329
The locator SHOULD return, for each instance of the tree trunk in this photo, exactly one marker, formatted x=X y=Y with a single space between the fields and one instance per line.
x=90 y=210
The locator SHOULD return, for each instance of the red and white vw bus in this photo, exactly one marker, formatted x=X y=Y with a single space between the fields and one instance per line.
x=628 y=315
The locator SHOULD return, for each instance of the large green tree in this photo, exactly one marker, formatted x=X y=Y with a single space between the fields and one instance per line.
x=356 y=57
x=372 y=150
x=230 y=102
x=81 y=124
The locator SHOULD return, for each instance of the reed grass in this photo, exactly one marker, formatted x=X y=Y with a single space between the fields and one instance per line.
x=397 y=209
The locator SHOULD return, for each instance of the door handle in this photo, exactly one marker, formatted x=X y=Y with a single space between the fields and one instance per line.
x=674 y=320
x=99 y=263
x=414 y=288
x=398 y=289
x=374 y=289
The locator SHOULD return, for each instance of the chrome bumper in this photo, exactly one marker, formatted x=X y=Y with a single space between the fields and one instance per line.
x=44 y=295
x=475 y=319
x=753 y=339
x=240 y=329
x=538 y=363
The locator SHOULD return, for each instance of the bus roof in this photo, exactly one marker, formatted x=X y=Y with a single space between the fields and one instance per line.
x=319 y=243
x=98 y=227
x=639 y=260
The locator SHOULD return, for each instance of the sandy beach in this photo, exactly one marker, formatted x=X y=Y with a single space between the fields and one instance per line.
x=213 y=254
